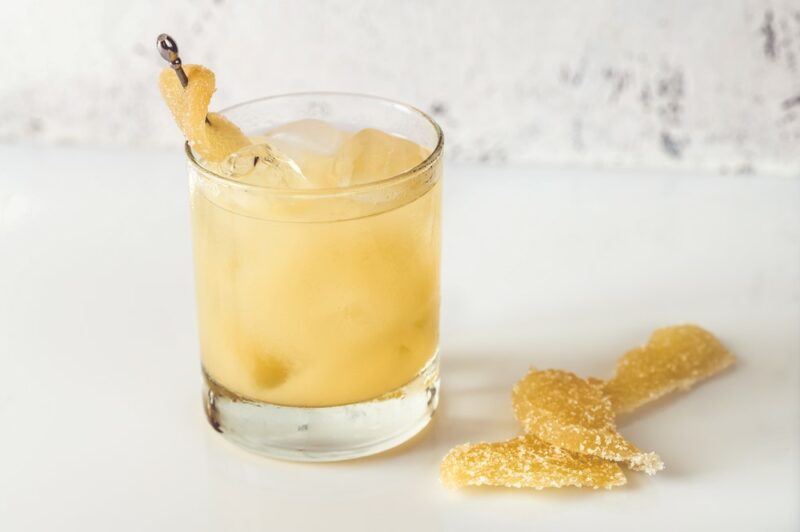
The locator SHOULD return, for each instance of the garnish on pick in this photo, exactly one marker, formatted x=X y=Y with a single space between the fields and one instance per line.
x=187 y=90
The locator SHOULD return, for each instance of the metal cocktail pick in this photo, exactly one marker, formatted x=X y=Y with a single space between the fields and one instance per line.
x=168 y=49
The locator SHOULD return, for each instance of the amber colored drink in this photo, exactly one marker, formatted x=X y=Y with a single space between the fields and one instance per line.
x=317 y=313
x=316 y=249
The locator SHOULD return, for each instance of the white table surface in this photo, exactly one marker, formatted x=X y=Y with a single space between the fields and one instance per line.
x=101 y=426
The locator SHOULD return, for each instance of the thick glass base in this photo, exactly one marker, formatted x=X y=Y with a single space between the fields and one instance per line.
x=322 y=434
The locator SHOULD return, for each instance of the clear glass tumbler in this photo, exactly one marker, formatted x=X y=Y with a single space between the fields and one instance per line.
x=318 y=309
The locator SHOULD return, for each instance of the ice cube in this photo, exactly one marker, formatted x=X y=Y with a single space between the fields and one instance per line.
x=372 y=155
x=303 y=136
x=312 y=144
x=261 y=164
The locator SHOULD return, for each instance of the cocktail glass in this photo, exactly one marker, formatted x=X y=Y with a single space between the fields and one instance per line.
x=318 y=308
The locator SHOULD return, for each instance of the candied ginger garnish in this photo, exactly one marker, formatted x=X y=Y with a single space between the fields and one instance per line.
x=526 y=462
x=572 y=413
x=675 y=358
x=211 y=136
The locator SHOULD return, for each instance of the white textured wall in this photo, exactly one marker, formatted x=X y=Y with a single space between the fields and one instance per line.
x=711 y=84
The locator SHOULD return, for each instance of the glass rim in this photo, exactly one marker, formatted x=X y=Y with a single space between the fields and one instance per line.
x=423 y=166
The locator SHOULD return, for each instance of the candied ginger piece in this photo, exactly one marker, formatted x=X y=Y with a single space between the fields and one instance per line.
x=211 y=140
x=372 y=155
x=674 y=358
x=222 y=137
x=526 y=462
x=572 y=413
x=189 y=105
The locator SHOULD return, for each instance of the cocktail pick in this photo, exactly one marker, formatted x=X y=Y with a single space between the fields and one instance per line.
x=168 y=49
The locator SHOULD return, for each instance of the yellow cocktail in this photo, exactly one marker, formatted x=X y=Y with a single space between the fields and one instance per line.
x=317 y=269
x=318 y=300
